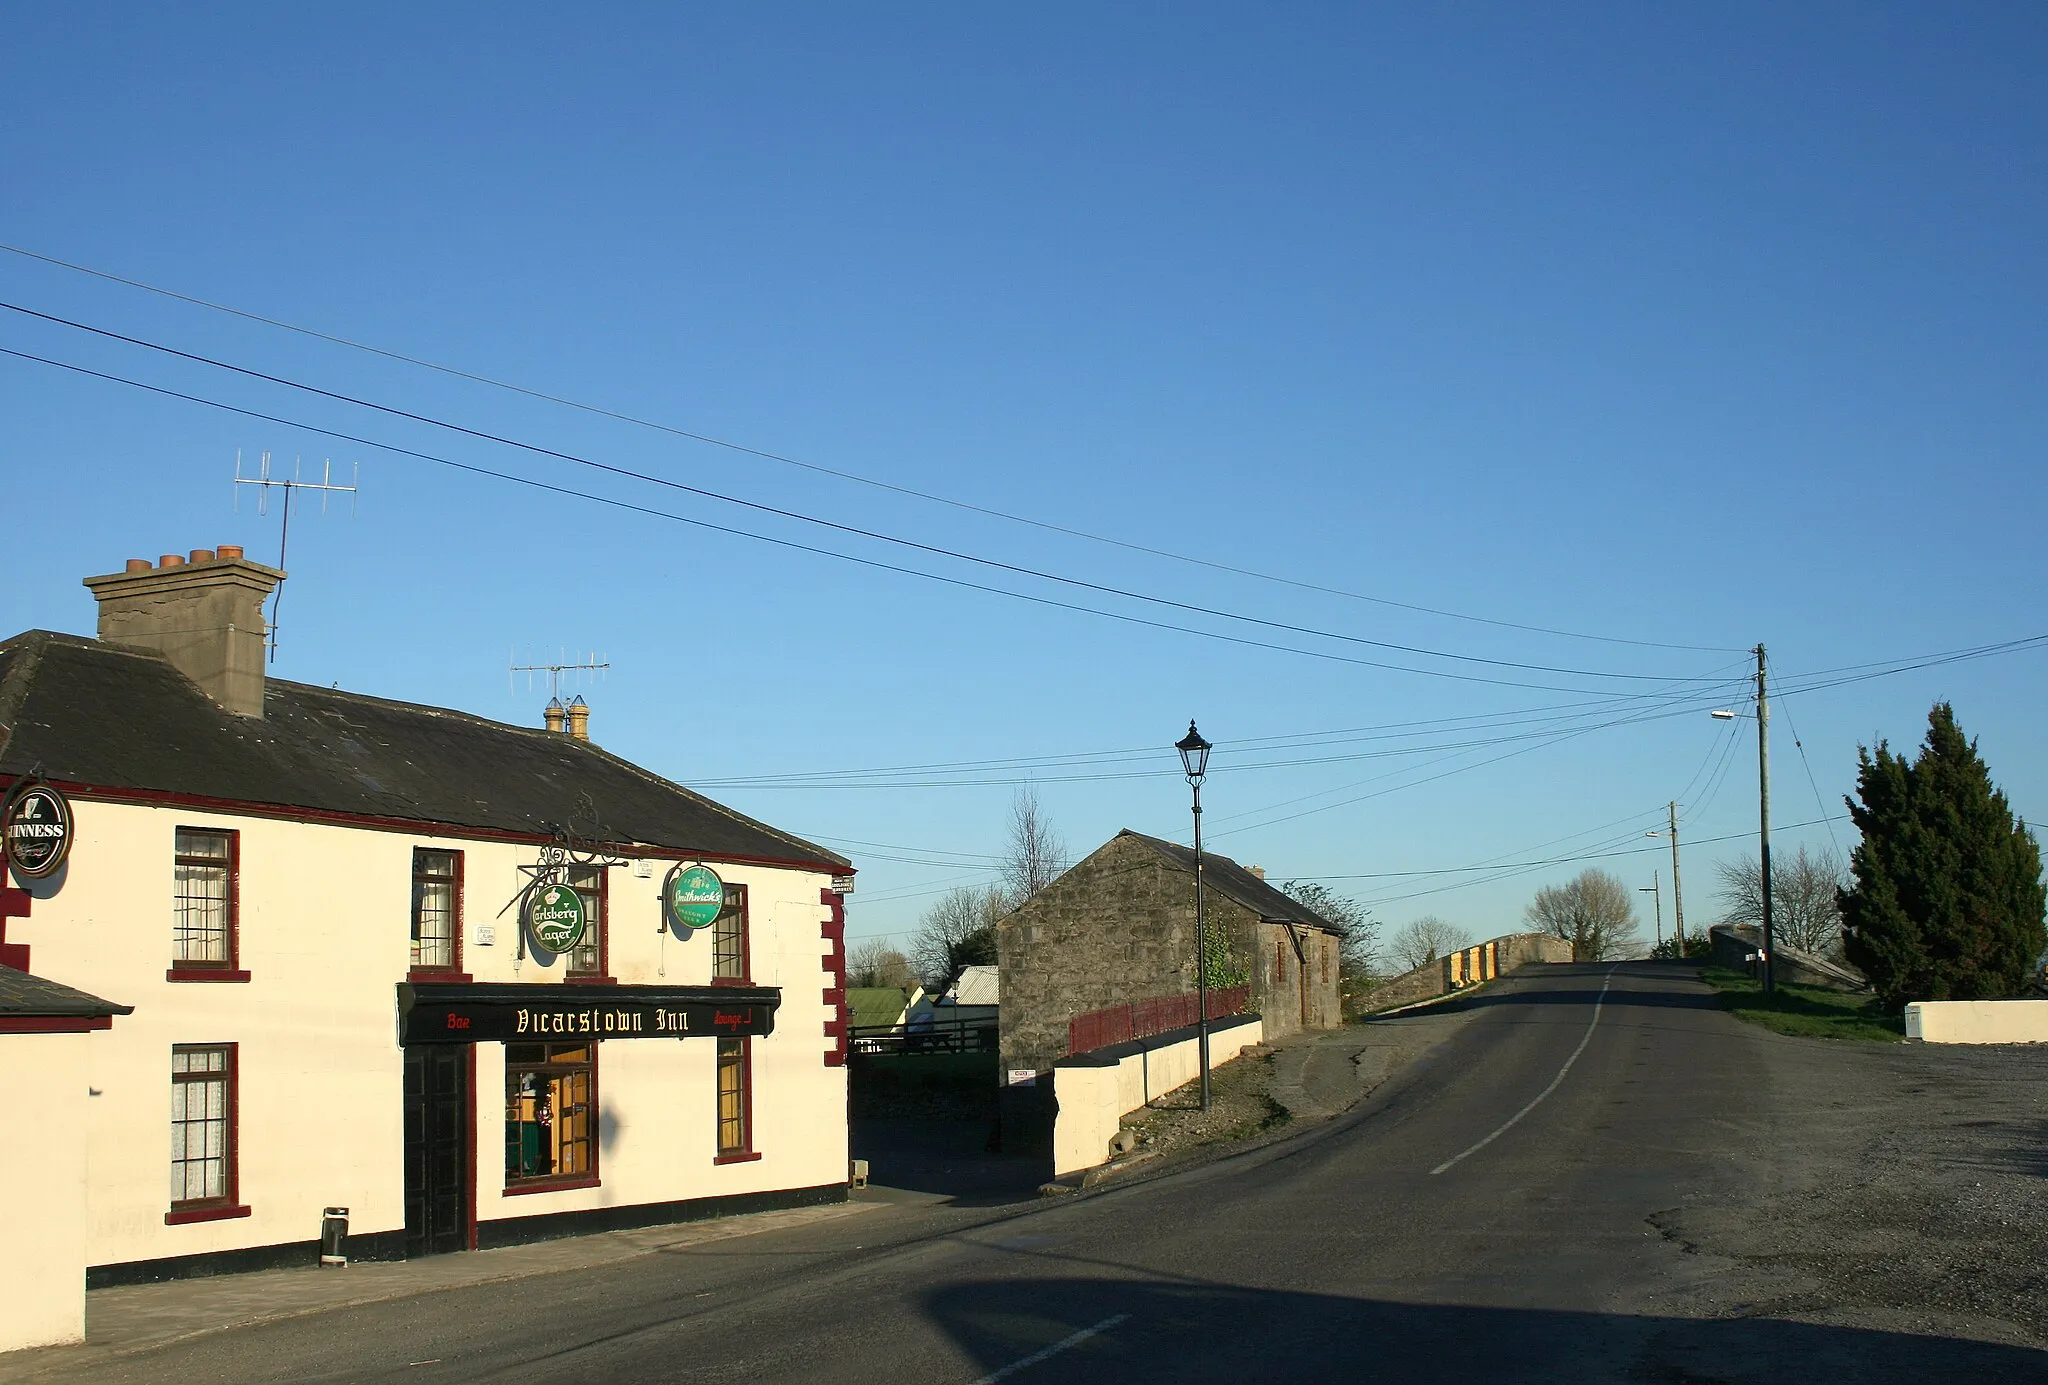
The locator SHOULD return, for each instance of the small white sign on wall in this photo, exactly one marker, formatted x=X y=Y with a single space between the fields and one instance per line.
x=486 y=934
x=1023 y=1077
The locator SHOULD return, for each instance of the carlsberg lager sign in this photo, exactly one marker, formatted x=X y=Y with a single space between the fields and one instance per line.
x=696 y=897
x=557 y=918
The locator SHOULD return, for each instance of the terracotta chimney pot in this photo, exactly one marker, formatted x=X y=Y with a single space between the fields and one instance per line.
x=202 y=555
x=170 y=560
x=231 y=550
x=138 y=565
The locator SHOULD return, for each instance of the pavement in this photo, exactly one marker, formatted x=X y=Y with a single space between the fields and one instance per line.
x=133 y=1318
x=1580 y=1173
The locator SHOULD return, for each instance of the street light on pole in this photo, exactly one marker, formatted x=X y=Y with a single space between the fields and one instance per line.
x=1763 y=786
x=1656 y=890
x=1194 y=758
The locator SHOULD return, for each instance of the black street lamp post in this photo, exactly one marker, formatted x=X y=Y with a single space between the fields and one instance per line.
x=1194 y=758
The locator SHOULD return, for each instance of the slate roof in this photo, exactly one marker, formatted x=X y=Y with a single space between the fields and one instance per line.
x=23 y=995
x=1227 y=876
x=99 y=715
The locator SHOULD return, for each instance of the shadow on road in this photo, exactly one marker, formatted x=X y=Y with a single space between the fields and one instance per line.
x=1160 y=1331
x=949 y=1158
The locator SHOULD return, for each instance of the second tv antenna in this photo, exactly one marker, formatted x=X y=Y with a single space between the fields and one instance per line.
x=265 y=483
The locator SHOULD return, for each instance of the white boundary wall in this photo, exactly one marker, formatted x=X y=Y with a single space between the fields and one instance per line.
x=1978 y=1021
x=1094 y=1100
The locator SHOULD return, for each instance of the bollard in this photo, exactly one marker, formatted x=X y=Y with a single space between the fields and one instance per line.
x=334 y=1238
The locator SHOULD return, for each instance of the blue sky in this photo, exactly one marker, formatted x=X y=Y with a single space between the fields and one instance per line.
x=1666 y=326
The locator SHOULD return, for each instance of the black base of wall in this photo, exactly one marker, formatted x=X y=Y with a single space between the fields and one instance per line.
x=515 y=1231
x=293 y=1255
x=490 y=1235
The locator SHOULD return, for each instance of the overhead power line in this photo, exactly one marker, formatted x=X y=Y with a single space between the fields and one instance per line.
x=570 y=491
x=741 y=448
x=800 y=517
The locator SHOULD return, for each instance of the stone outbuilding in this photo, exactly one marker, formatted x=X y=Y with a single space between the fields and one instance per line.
x=1119 y=927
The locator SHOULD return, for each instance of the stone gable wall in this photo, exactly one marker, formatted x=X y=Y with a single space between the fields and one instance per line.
x=1119 y=927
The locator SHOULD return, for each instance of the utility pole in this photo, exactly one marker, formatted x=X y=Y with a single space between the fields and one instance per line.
x=1677 y=893
x=1656 y=892
x=1763 y=778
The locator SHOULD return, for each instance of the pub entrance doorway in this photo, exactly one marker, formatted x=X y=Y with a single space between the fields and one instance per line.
x=440 y=1149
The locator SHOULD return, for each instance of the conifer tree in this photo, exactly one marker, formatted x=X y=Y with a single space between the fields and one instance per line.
x=1946 y=900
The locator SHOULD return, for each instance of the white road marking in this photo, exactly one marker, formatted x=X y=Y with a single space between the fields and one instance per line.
x=1509 y=1124
x=1055 y=1349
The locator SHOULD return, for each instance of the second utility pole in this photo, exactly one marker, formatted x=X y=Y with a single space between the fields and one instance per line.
x=1677 y=894
x=1763 y=778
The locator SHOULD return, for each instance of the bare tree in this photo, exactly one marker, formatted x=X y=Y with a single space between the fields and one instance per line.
x=1419 y=943
x=1036 y=854
x=1804 y=910
x=872 y=962
x=1595 y=913
x=958 y=932
x=1359 y=948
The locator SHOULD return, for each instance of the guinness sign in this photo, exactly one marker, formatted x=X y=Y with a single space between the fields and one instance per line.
x=38 y=831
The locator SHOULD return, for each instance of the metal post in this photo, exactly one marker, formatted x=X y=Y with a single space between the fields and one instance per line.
x=1763 y=776
x=1656 y=892
x=1677 y=893
x=1201 y=957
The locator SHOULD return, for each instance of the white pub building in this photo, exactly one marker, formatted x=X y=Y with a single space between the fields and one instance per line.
x=302 y=949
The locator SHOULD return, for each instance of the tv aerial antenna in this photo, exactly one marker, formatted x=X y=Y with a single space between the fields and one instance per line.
x=574 y=665
x=265 y=483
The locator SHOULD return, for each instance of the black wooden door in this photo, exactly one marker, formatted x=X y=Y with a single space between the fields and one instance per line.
x=437 y=1154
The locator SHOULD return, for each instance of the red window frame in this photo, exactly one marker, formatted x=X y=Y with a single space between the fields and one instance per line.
x=228 y=1203
x=229 y=969
x=452 y=972
x=602 y=976
x=744 y=1152
x=743 y=945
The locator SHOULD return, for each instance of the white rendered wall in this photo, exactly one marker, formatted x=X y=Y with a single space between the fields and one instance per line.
x=42 y=1237
x=1093 y=1101
x=1978 y=1021
x=325 y=936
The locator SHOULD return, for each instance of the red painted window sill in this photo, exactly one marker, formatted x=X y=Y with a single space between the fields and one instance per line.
x=744 y=1157
x=591 y=980
x=205 y=974
x=440 y=975
x=730 y=981
x=553 y=1185
x=184 y=1215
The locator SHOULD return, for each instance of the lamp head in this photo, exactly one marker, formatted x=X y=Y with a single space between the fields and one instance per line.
x=1722 y=715
x=1194 y=754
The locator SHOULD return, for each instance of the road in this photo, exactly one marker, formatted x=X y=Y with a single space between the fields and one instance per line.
x=1550 y=1195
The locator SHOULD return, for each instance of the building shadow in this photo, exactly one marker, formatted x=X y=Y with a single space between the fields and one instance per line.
x=1194 y=1332
x=949 y=1159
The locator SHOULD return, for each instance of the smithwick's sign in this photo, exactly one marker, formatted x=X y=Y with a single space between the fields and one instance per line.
x=36 y=824
x=461 y=1014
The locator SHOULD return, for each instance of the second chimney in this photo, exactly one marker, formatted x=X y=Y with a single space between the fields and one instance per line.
x=579 y=718
x=204 y=615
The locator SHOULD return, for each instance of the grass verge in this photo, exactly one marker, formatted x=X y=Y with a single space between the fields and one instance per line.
x=1807 y=1011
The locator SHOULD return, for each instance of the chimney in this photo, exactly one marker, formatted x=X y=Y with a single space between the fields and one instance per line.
x=1259 y=871
x=553 y=714
x=203 y=613
x=579 y=718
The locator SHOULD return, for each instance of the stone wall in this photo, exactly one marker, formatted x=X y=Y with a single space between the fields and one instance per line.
x=1734 y=942
x=1468 y=966
x=1119 y=926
